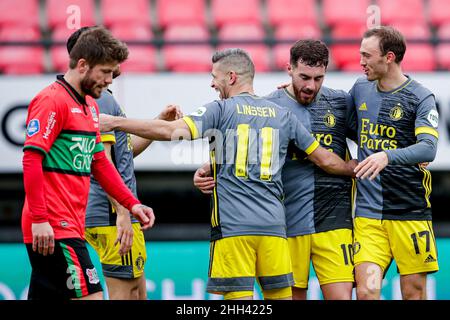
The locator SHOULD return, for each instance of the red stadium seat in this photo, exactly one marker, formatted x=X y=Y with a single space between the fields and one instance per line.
x=443 y=56
x=135 y=12
x=346 y=57
x=181 y=12
x=19 y=12
x=131 y=32
x=21 y=60
x=292 y=12
x=345 y=11
x=291 y=32
x=62 y=33
x=59 y=58
x=141 y=59
x=281 y=55
x=439 y=12
x=258 y=52
x=19 y=33
x=186 y=32
x=349 y=31
x=241 y=32
x=235 y=11
x=401 y=10
x=413 y=31
x=187 y=57
x=419 y=57
x=295 y=31
x=444 y=32
x=244 y=33
x=62 y=12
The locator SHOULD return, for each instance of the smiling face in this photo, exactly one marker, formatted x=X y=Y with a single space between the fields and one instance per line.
x=220 y=81
x=306 y=81
x=374 y=63
x=97 y=78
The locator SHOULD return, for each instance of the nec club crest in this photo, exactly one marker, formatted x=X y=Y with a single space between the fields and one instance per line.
x=92 y=275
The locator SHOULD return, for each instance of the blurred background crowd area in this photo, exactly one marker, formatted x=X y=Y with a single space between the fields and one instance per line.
x=180 y=35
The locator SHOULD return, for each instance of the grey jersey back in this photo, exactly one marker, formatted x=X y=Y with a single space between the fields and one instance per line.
x=99 y=210
x=249 y=138
x=309 y=207
x=392 y=120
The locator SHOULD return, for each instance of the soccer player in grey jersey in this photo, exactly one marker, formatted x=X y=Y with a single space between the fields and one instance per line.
x=319 y=226
x=397 y=130
x=249 y=137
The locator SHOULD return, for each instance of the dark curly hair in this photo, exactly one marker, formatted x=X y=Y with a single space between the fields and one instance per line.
x=313 y=53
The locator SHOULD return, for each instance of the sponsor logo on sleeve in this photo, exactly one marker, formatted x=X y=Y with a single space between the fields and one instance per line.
x=50 y=125
x=433 y=118
x=199 y=112
x=33 y=127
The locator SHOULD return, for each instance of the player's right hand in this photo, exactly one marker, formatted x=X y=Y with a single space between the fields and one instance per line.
x=43 y=238
x=107 y=122
x=144 y=214
x=171 y=113
x=125 y=232
x=203 y=181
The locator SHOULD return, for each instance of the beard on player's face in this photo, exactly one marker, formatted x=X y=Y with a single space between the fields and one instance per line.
x=90 y=86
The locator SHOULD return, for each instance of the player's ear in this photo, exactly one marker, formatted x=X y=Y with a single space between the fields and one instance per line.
x=289 y=69
x=232 y=77
x=390 y=57
x=82 y=66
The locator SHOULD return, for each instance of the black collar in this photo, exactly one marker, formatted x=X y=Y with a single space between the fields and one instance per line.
x=73 y=93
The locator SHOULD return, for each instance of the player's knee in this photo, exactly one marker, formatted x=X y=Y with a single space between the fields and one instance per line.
x=278 y=294
x=414 y=291
x=365 y=293
x=299 y=293
x=134 y=293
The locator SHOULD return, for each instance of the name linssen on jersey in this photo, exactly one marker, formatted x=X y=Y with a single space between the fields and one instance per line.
x=386 y=134
x=266 y=112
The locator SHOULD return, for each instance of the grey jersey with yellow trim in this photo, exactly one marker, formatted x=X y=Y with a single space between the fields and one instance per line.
x=99 y=211
x=316 y=201
x=249 y=138
x=390 y=121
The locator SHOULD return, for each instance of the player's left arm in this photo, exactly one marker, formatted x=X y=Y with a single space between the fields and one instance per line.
x=160 y=130
x=424 y=150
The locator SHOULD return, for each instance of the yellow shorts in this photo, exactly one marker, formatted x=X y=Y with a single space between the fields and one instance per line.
x=331 y=253
x=235 y=262
x=410 y=243
x=128 y=266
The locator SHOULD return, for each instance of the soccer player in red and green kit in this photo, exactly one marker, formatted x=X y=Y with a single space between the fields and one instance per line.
x=62 y=149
